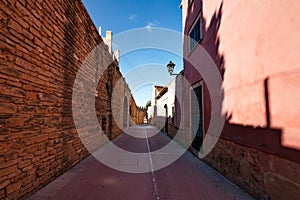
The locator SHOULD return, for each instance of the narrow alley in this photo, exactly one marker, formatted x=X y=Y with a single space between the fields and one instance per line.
x=187 y=178
x=144 y=100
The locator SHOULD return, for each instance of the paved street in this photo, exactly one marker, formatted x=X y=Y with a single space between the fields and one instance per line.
x=186 y=178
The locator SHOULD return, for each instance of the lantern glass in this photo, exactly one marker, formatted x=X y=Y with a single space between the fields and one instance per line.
x=170 y=67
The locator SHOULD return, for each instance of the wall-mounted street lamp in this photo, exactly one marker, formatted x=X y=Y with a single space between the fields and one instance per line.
x=170 y=67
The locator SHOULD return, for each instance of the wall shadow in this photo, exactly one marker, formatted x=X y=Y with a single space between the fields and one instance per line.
x=244 y=153
x=211 y=40
x=264 y=139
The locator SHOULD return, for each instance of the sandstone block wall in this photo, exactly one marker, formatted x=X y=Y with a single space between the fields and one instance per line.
x=263 y=175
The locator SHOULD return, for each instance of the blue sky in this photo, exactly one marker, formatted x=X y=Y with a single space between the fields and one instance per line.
x=140 y=66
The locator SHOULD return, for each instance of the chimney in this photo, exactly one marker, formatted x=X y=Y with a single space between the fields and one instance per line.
x=117 y=54
x=108 y=41
x=100 y=30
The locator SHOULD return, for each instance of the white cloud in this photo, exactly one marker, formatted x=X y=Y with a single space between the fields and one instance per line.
x=132 y=17
x=150 y=25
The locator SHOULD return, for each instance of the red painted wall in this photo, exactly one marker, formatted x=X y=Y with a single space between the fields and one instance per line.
x=255 y=45
x=257 y=54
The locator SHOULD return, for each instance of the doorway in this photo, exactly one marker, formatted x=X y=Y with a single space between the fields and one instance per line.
x=166 y=120
x=197 y=115
x=125 y=113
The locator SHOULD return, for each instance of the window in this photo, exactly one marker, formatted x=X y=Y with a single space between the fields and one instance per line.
x=190 y=2
x=195 y=34
x=173 y=114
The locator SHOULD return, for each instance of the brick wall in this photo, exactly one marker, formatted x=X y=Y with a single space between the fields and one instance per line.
x=43 y=44
x=120 y=91
x=141 y=114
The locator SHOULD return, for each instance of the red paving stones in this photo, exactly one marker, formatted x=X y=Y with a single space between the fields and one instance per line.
x=186 y=178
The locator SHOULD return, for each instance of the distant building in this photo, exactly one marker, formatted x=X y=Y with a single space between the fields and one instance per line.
x=162 y=105
x=154 y=110
x=165 y=109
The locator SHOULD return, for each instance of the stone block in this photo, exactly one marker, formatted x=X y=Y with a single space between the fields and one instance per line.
x=278 y=187
x=288 y=169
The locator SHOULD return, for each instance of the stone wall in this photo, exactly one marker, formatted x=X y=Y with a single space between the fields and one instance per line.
x=43 y=44
x=263 y=175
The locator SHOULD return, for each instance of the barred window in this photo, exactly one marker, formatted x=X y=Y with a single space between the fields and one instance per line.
x=195 y=34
